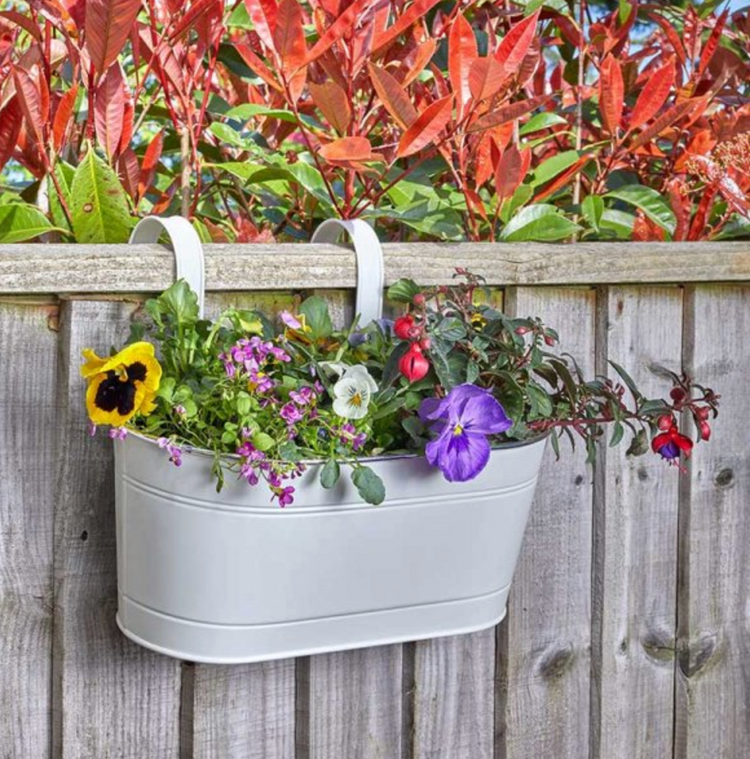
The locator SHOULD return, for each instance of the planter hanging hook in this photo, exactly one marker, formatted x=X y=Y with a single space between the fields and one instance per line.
x=188 y=250
x=370 y=269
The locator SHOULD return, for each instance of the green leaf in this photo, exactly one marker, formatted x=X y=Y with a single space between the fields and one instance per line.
x=403 y=291
x=369 y=485
x=251 y=110
x=180 y=301
x=540 y=121
x=554 y=166
x=628 y=380
x=20 y=222
x=593 y=208
x=289 y=451
x=315 y=311
x=262 y=441
x=617 y=434
x=98 y=204
x=540 y=222
x=648 y=200
x=330 y=473
x=639 y=444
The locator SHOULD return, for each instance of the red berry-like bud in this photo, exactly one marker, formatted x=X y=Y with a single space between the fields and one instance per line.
x=677 y=394
x=403 y=326
x=425 y=343
x=443 y=289
x=419 y=299
x=413 y=365
x=549 y=340
x=705 y=431
x=703 y=413
x=522 y=331
x=665 y=422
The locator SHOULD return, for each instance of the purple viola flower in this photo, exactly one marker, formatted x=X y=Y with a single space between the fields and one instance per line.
x=463 y=420
x=303 y=396
x=290 y=414
x=349 y=435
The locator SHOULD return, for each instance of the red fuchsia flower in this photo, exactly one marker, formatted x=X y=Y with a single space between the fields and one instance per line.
x=413 y=365
x=405 y=328
x=671 y=443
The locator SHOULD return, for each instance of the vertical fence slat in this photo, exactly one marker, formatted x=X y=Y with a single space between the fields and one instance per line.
x=713 y=673
x=635 y=543
x=350 y=704
x=453 y=700
x=244 y=711
x=28 y=366
x=543 y=646
x=115 y=698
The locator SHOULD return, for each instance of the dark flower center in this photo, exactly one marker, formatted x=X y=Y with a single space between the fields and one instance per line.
x=113 y=393
x=137 y=372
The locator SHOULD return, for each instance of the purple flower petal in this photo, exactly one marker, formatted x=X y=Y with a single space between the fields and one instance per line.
x=460 y=456
x=482 y=413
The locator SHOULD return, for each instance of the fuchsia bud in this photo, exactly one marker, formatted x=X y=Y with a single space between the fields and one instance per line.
x=705 y=431
x=665 y=422
x=413 y=365
x=419 y=299
x=425 y=343
x=677 y=394
x=403 y=327
x=703 y=413
x=522 y=331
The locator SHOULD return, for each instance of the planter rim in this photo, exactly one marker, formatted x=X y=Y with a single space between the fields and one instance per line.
x=188 y=449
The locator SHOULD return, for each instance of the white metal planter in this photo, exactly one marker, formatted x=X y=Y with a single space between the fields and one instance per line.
x=231 y=577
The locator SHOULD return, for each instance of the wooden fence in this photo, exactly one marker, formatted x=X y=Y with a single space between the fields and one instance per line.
x=628 y=632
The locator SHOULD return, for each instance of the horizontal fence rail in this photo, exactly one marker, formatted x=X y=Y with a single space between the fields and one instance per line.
x=31 y=269
x=628 y=629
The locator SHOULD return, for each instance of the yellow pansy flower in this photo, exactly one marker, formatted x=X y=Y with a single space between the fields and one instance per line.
x=122 y=385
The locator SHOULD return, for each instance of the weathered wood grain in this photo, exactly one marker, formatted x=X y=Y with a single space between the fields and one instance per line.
x=113 y=698
x=544 y=644
x=713 y=649
x=28 y=412
x=244 y=711
x=349 y=704
x=453 y=697
x=150 y=268
x=635 y=542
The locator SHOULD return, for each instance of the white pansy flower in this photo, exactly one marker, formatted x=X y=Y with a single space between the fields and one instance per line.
x=353 y=392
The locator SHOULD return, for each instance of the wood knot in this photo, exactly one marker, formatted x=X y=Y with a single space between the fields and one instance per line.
x=724 y=478
x=642 y=473
x=659 y=645
x=554 y=663
x=695 y=656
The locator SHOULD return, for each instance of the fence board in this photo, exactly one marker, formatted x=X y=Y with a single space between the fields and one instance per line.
x=543 y=656
x=453 y=697
x=244 y=711
x=350 y=704
x=28 y=369
x=713 y=676
x=635 y=544
x=150 y=268
x=116 y=699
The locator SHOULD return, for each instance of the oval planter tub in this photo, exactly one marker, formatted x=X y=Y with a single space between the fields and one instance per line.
x=231 y=577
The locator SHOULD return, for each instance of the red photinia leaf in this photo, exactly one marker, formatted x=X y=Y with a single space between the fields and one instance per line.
x=671 y=34
x=129 y=171
x=19 y=19
x=127 y=121
x=109 y=109
x=412 y=14
x=198 y=9
x=393 y=96
x=33 y=98
x=462 y=52
x=334 y=104
x=348 y=150
x=427 y=127
x=511 y=171
x=108 y=25
x=507 y=113
x=644 y=230
x=486 y=78
x=702 y=142
x=611 y=94
x=713 y=42
x=257 y=66
x=339 y=28
x=516 y=43
x=62 y=117
x=681 y=206
x=150 y=161
x=11 y=118
x=669 y=117
x=654 y=95
x=422 y=56
x=475 y=203
x=263 y=15
x=289 y=39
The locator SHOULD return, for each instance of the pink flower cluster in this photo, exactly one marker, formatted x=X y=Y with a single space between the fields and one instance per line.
x=301 y=406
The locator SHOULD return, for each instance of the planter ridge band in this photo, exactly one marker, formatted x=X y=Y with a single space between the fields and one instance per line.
x=231 y=577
